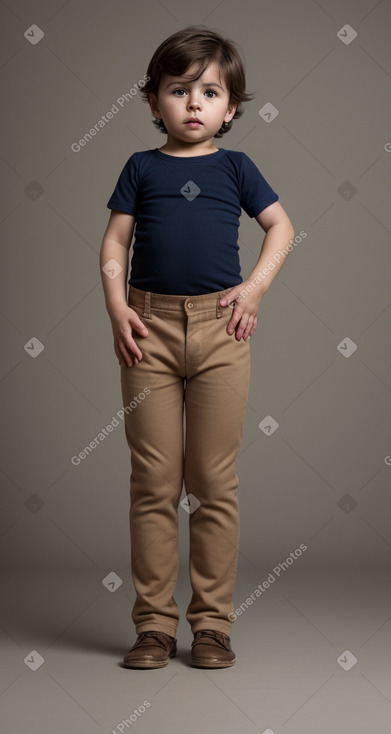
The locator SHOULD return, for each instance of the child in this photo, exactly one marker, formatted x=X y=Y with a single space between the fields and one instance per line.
x=182 y=338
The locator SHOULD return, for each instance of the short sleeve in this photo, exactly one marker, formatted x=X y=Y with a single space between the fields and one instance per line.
x=256 y=194
x=124 y=196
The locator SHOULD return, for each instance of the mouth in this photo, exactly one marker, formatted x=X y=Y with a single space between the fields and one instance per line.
x=193 y=122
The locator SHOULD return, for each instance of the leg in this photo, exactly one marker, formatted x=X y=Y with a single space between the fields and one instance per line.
x=154 y=432
x=215 y=400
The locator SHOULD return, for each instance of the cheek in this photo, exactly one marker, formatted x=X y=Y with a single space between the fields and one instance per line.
x=173 y=104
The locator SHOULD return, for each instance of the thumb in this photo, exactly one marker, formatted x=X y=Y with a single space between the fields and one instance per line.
x=231 y=296
x=140 y=328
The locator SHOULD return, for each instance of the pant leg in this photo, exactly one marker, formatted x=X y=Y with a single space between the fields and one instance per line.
x=154 y=432
x=215 y=402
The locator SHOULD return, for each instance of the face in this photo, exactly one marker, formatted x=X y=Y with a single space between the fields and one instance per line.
x=206 y=99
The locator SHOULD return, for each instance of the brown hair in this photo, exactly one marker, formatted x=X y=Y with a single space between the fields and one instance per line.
x=200 y=45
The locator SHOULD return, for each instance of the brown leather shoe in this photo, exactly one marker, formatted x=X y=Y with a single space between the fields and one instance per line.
x=211 y=649
x=151 y=650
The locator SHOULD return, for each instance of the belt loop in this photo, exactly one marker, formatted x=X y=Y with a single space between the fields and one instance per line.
x=147 y=305
x=218 y=307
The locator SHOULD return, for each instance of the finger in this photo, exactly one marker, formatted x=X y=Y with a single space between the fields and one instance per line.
x=229 y=298
x=130 y=345
x=242 y=326
x=125 y=357
x=248 y=328
x=134 y=349
x=130 y=352
x=140 y=328
x=136 y=324
x=234 y=320
x=119 y=354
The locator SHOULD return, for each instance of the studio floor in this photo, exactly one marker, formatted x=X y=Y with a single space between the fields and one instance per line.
x=313 y=656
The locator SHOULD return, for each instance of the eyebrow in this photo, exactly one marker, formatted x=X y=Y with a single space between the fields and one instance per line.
x=184 y=81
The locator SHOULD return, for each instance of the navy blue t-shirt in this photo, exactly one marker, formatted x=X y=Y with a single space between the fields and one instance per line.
x=187 y=213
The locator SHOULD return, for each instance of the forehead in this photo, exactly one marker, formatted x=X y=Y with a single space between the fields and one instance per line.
x=212 y=73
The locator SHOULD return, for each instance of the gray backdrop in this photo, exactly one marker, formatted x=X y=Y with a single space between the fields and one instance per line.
x=320 y=356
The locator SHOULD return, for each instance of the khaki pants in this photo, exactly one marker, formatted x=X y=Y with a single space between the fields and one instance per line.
x=190 y=368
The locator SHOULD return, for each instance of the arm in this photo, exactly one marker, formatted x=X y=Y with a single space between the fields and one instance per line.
x=115 y=246
x=279 y=232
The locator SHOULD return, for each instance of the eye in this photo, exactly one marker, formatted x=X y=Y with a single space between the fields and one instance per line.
x=207 y=92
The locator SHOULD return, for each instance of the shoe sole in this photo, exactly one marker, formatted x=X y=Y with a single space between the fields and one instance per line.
x=149 y=664
x=211 y=664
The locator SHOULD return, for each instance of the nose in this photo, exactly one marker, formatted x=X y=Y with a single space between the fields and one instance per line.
x=193 y=101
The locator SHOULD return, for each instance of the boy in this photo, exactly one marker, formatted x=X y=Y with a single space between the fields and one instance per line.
x=182 y=338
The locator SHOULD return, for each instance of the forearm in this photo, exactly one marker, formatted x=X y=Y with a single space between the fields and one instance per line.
x=275 y=249
x=114 y=287
x=247 y=296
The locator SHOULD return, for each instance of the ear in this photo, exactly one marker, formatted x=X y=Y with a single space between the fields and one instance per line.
x=154 y=105
x=230 y=112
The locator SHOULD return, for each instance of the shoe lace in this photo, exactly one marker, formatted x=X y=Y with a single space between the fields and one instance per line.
x=220 y=637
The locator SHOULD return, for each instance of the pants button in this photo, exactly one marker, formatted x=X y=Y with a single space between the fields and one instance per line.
x=190 y=304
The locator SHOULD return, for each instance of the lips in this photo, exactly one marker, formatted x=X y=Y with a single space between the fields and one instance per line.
x=193 y=119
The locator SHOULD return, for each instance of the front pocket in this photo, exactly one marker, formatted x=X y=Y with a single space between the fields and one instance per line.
x=140 y=312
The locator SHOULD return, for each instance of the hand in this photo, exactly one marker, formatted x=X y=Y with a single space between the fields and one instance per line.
x=125 y=320
x=244 y=313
